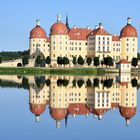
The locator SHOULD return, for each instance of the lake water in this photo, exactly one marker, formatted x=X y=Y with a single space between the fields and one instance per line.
x=70 y=107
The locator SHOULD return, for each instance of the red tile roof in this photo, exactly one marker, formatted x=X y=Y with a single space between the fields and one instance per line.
x=123 y=61
x=115 y=38
x=78 y=109
x=123 y=83
x=114 y=105
x=79 y=33
x=99 y=31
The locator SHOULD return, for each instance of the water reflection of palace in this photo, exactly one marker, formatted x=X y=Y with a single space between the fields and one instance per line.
x=83 y=96
x=68 y=95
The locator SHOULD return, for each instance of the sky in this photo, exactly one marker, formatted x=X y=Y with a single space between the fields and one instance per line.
x=17 y=18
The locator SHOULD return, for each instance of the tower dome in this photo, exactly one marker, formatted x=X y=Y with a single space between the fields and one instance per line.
x=127 y=113
x=38 y=31
x=58 y=114
x=37 y=109
x=128 y=30
x=59 y=28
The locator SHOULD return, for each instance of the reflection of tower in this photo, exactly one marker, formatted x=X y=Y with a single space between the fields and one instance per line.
x=58 y=102
x=38 y=99
x=128 y=101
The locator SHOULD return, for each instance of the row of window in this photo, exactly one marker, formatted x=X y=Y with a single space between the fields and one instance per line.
x=116 y=44
x=99 y=38
x=116 y=49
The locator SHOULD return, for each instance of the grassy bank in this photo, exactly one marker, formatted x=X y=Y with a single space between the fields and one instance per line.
x=51 y=71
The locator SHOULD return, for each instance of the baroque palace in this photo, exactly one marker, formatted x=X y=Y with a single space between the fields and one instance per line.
x=64 y=41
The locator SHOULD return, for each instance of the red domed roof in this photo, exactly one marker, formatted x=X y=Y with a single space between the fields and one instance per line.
x=37 y=109
x=59 y=29
x=127 y=112
x=38 y=32
x=58 y=113
x=128 y=31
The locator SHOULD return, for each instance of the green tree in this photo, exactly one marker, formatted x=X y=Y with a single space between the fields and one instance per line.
x=134 y=62
x=0 y=60
x=74 y=61
x=89 y=60
x=108 y=61
x=25 y=60
x=81 y=60
x=65 y=61
x=59 y=60
x=96 y=61
x=105 y=61
x=102 y=63
x=48 y=60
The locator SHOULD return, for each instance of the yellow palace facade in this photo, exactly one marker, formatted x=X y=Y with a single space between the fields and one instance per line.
x=64 y=41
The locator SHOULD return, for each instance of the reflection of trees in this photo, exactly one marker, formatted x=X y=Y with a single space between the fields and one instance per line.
x=48 y=82
x=134 y=82
x=88 y=83
x=25 y=83
x=12 y=84
x=108 y=83
x=62 y=82
x=40 y=81
x=96 y=82
x=80 y=83
x=74 y=83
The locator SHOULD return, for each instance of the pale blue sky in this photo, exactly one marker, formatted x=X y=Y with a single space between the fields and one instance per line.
x=18 y=17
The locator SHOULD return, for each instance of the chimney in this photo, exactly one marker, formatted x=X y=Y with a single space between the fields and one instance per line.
x=96 y=27
x=101 y=26
x=59 y=18
x=74 y=27
x=37 y=22
x=129 y=20
x=88 y=27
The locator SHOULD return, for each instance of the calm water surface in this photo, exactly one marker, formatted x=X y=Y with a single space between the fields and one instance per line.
x=67 y=107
